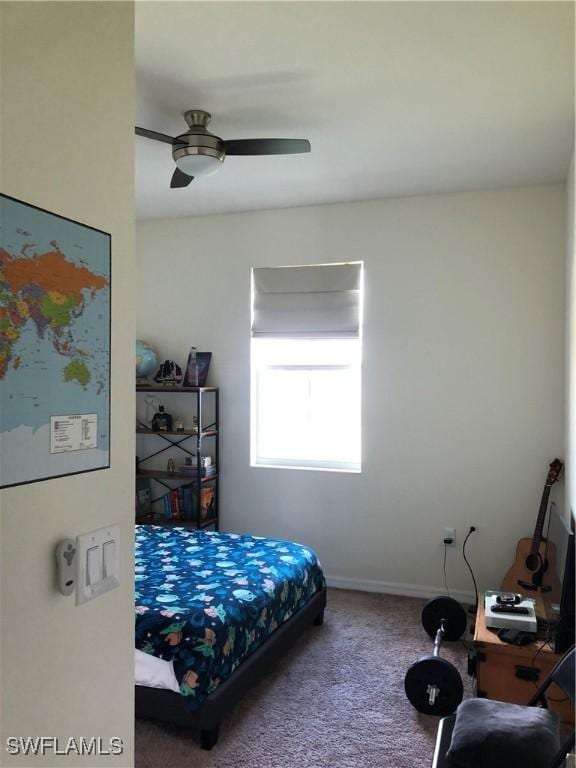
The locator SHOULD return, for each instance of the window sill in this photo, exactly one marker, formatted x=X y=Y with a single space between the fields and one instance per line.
x=340 y=471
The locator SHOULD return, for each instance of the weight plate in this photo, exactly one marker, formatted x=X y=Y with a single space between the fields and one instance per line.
x=444 y=607
x=434 y=672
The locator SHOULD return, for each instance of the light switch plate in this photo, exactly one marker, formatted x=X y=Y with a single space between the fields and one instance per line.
x=104 y=546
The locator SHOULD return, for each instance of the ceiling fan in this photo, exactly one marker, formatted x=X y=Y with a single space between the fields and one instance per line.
x=200 y=153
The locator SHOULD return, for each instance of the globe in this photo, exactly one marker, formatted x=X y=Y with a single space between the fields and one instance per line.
x=146 y=360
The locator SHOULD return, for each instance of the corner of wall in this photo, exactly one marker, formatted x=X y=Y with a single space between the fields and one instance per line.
x=67 y=89
x=570 y=404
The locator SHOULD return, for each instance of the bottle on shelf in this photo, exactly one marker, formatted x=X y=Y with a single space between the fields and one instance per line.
x=162 y=421
x=191 y=379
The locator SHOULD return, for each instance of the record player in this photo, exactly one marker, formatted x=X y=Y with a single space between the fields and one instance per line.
x=508 y=610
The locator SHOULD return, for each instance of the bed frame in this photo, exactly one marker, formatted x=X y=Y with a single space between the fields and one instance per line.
x=168 y=706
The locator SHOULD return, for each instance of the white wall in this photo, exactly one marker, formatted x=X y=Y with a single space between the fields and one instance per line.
x=67 y=145
x=463 y=372
x=570 y=344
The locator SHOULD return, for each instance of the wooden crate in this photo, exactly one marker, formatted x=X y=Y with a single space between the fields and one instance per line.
x=501 y=667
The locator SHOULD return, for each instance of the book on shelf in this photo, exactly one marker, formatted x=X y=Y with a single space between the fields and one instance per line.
x=188 y=496
x=175 y=504
x=181 y=504
x=143 y=497
x=207 y=503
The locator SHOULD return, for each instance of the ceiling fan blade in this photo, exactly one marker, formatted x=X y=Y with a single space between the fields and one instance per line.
x=180 y=179
x=154 y=135
x=266 y=146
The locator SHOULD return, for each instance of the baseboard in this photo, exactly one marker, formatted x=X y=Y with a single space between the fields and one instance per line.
x=393 y=588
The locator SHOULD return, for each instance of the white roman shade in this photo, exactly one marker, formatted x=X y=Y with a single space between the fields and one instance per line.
x=320 y=301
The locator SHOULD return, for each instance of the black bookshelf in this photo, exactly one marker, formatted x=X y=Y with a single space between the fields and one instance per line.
x=187 y=495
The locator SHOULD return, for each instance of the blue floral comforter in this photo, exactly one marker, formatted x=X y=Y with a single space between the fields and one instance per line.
x=207 y=600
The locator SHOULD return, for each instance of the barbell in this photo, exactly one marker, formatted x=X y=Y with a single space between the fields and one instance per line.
x=433 y=685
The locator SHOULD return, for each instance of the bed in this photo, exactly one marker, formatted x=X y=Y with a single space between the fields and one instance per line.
x=215 y=609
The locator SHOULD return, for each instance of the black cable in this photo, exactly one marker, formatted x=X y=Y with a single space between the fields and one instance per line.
x=470 y=532
x=557 y=701
x=543 y=644
x=538 y=652
x=444 y=567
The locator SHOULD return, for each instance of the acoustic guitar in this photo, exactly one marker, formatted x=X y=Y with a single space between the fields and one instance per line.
x=535 y=556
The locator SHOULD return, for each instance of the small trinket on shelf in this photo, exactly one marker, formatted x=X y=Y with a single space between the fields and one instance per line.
x=179 y=425
x=169 y=374
x=171 y=466
x=162 y=421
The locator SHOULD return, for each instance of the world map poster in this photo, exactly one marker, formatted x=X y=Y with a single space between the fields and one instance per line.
x=54 y=345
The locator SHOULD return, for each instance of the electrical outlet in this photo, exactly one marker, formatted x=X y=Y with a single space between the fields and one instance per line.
x=449 y=533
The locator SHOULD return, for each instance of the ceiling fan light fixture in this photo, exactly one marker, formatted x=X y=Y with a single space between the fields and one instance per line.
x=198 y=161
x=200 y=153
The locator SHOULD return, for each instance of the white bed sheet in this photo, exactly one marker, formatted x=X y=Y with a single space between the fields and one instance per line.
x=153 y=672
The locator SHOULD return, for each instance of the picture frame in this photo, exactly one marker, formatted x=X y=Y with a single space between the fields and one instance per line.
x=197 y=375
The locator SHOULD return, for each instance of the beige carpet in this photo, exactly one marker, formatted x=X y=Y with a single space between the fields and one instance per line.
x=335 y=700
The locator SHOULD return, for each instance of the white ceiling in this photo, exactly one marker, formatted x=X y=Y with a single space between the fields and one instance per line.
x=396 y=98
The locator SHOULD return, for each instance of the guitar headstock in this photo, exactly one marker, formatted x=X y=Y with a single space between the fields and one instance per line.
x=554 y=472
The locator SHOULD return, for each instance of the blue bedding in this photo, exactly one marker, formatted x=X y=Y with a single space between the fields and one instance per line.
x=207 y=600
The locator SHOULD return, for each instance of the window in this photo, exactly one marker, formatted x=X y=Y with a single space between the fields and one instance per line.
x=306 y=403
x=306 y=363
